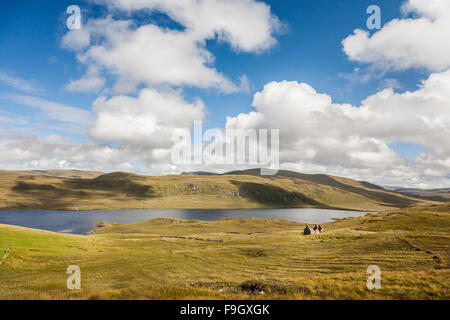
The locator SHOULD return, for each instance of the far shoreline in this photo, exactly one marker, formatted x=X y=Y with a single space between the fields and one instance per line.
x=83 y=222
x=199 y=209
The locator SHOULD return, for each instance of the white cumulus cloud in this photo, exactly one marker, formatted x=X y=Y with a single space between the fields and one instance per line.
x=247 y=25
x=152 y=55
x=148 y=120
x=321 y=136
x=420 y=40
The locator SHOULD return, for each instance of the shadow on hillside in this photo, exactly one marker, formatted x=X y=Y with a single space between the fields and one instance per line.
x=111 y=186
x=46 y=195
x=272 y=195
x=387 y=199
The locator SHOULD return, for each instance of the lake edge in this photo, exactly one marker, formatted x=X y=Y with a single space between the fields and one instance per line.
x=83 y=222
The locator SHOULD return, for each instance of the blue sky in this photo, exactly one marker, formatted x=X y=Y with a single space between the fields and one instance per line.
x=308 y=49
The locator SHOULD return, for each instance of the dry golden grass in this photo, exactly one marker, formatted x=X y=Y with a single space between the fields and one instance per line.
x=236 y=259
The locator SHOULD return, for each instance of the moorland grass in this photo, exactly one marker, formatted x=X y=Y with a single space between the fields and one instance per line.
x=118 y=190
x=236 y=259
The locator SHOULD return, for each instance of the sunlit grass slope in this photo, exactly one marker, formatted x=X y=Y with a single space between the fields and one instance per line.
x=236 y=259
x=78 y=190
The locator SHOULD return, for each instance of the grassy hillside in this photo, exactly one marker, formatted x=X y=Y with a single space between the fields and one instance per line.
x=442 y=195
x=76 y=190
x=236 y=259
x=75 y=174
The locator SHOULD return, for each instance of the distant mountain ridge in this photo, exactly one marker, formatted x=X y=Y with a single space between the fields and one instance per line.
x=199 y=173
x=88 y=190
x=68 y=173
x=441 y=194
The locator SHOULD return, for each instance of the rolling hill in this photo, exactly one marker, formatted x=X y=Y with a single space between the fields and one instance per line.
x=235 y=259
x=79 y=190
x=442 y=195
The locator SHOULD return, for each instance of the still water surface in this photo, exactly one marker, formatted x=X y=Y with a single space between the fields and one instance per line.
x=82 y=222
